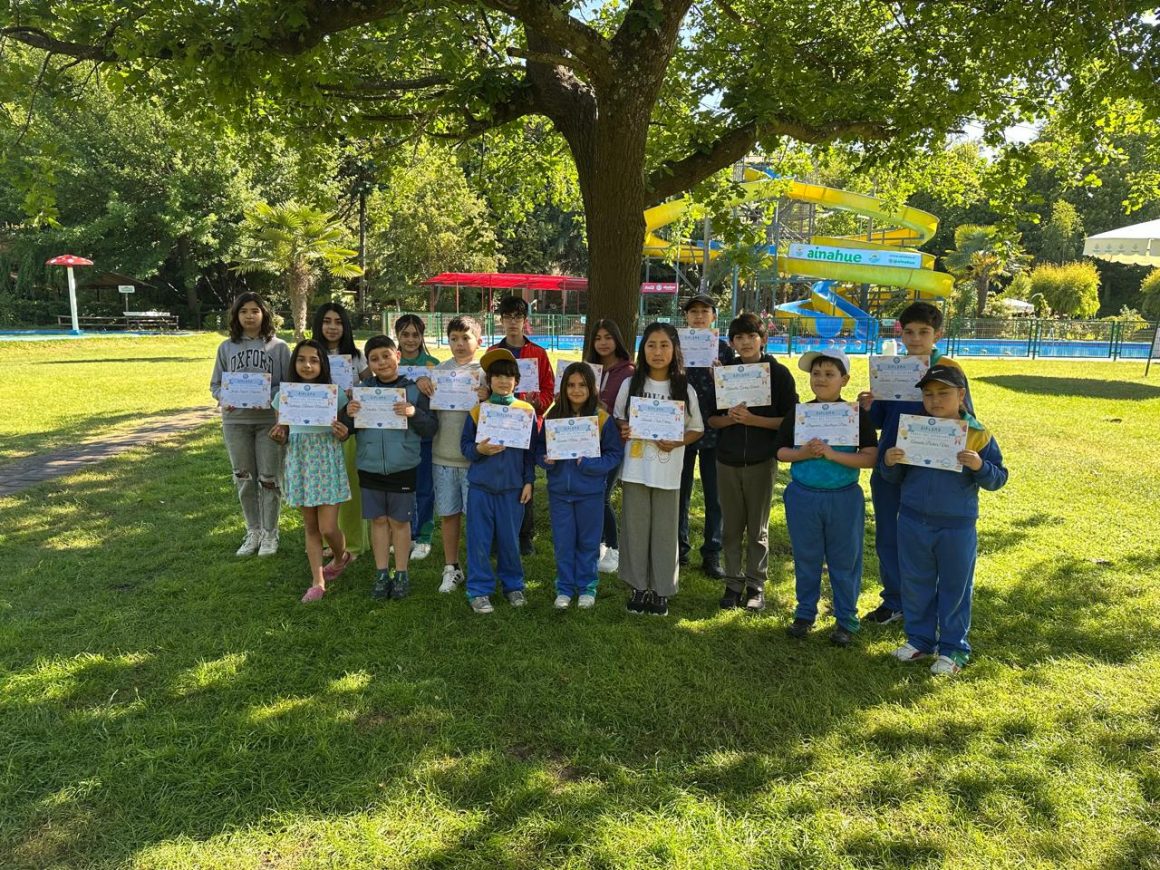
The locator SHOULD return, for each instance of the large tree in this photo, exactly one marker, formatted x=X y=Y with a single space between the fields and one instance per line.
x=651 y=96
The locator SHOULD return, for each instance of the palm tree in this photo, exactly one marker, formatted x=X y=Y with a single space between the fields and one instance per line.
x=983 y=255
x=297 y=242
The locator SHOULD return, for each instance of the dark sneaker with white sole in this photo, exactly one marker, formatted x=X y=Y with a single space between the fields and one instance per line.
x=883 y=615
x=636 y=601
x=800 y=628
x=656 y=605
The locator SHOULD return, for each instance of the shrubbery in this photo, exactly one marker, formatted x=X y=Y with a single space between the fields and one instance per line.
x=1072 y=289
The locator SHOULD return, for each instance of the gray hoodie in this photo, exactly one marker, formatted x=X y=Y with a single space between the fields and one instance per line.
x=251 y=355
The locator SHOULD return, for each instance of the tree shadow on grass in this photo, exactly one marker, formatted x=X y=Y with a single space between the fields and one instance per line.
x=119 y=360
x=1078 y=387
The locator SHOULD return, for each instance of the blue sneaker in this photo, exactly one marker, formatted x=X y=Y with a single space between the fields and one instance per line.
x=401 y=587
x=384 y=584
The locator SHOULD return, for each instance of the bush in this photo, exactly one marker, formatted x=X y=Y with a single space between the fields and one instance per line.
x=1072 y=289
x=1150 y=294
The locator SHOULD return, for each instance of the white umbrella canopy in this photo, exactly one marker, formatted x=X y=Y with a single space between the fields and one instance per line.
x=1138 y=244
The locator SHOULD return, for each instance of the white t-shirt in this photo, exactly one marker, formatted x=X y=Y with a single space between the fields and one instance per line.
x=644 y=461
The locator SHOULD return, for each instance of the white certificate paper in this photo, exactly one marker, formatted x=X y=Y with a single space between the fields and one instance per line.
x=307 y=404
x=529 y=375
x=572 y=437
x=931 y=441
x=656 y=419
x=835 y=423
x=342 y=372
x=455 y=390
x=748 y=383
x=562 y=364
x=413 y=373
x=378 y=407
x=699 y=347
x=894 y=377
x=505 y=424
x=245 y=389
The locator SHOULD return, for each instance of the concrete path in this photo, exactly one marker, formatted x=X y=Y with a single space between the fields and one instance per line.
x=32 y=470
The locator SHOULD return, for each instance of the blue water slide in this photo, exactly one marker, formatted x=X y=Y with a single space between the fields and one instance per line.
x=829 y=325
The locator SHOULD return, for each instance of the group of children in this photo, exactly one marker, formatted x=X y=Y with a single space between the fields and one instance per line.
x=397 y=479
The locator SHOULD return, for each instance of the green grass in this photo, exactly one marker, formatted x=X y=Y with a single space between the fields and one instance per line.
x=166 y=705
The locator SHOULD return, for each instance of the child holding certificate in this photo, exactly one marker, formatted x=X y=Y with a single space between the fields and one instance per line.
x=825 y=509
x=256 y=460
x=499 y=485
x=576 y=486
x=409 y=330
x=747 y=466
x=651 y=474
x=388 y=462
x=937 y=540
x=331 y=328
x=315 y=478
x=921 y=327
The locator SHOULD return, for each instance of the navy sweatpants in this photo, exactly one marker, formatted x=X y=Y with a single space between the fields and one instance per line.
x=886 y=498
x=826 y=525
x=938 y=579
x=576 y=528
x=493 y=517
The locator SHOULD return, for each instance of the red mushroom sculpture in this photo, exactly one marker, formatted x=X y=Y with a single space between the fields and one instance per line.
x=70 y=260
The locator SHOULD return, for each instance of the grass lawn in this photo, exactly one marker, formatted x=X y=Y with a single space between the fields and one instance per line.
x=164 y=704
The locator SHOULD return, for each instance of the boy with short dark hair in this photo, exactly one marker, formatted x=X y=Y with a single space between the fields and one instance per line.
x=388 y=462
x=747 y=467
x=937 y=537
x=513 y=315
x=701 y=313
x=500 y=479
x=825 y=509
x=922 y=327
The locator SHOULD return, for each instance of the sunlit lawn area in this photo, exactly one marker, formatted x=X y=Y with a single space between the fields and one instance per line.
x=164 y=704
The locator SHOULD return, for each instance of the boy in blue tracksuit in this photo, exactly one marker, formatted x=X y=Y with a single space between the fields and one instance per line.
x=388 y=462
x=937 y=539
x=576 y=487
x=825 y=510
x=921 y=327
x=499 y=482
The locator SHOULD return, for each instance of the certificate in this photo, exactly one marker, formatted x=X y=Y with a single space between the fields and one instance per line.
x=413 y=373
x=529 y=375
x=245 y=389
x=342 y=373
x=455 y=389
x=656 y=419
x=562 y=364
x=378 y=407
x=699 y=347
x=835 y=423
x=572 y=437
x=931 y=441
x=307 y=404
x=894 y=377
x=505 y=424
x=747 y=383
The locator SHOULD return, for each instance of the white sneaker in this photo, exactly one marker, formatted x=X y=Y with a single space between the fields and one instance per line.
x=251 y=544
x=909 y=653
x=420 y=551
x=452 y=577
x=945 y=666
x=586 y=602
x=562 y=602
x=269 y=543
x=609 y=561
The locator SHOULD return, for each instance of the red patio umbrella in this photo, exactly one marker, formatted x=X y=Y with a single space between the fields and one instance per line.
x=68 y=261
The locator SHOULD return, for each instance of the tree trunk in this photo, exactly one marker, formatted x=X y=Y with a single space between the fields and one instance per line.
x=983 y=282
x=300 y=285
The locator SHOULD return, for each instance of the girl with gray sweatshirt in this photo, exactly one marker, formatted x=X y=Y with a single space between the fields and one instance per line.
x=255 y=457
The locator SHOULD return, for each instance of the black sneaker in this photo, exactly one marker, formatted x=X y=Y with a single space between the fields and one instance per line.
x=754 y=600
x=800 y=628
x=711 y=567
x=841 y=636
x=384 y=583
x=682 y=558
x=883 y=615
x=401 y=587
x=636 y=602
x=656 y=605
x=730 y=600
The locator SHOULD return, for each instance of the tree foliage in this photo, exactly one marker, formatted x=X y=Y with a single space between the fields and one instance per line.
x=982 y=256
x=1150 y=294
x=1070 y=289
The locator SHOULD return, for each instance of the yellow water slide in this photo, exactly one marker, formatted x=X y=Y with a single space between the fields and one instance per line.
x=901 y=229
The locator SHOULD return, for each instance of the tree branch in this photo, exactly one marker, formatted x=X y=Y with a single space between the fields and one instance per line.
x=546 y=57
x=517 y=105
x=549 y=20
x=37 y=38
x=677 y=176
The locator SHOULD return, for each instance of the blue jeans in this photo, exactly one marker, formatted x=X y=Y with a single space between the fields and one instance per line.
x=422 y=523
x=610 y=537
x=712 y=545
x=938 y=579
x=886 y=497
x=826 y=525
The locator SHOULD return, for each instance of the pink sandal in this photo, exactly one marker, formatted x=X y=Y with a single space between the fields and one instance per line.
x=314 y=593
x=335 y=568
